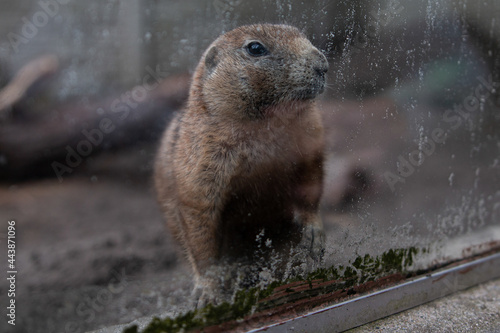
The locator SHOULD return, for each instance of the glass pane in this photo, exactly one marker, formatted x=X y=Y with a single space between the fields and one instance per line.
x=411 y=171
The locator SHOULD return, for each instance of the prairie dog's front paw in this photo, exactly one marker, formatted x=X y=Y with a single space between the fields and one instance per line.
x=207 y=297
x=204 y=293
x=313 y=240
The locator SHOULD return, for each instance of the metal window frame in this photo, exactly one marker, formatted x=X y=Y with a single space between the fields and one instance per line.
x=382 y=303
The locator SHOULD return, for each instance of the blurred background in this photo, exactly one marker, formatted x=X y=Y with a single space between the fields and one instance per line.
x=412 y=126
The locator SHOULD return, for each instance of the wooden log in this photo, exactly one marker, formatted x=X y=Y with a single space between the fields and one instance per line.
x=25 y=78
x=38 y=146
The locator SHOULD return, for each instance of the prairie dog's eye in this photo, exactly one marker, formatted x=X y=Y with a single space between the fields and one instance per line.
x=256 y=49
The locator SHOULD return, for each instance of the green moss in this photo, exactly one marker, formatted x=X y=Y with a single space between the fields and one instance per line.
x=325 y=274
x=266 y=292
x=362 y=269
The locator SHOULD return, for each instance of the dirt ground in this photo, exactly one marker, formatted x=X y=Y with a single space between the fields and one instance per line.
x=77 y=239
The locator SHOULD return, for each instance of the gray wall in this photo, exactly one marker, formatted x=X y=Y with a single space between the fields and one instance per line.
x=105 y=46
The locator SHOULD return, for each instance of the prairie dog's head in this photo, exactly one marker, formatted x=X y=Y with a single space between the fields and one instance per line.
x=254 y=67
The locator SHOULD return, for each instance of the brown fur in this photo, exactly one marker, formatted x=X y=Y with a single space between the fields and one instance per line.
x=245 y=157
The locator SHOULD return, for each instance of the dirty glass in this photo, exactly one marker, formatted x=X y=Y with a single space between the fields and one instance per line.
x=412 y=169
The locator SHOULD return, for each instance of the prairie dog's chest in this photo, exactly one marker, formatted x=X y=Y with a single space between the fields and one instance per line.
x=259 y=150
x=278 y=146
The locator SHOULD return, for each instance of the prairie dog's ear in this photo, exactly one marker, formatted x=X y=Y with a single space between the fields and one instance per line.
x=211 y=59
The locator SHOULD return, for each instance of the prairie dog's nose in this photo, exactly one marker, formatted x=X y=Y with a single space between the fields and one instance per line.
x=321 y=63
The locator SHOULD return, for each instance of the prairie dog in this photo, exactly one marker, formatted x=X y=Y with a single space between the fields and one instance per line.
x=245 y=156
